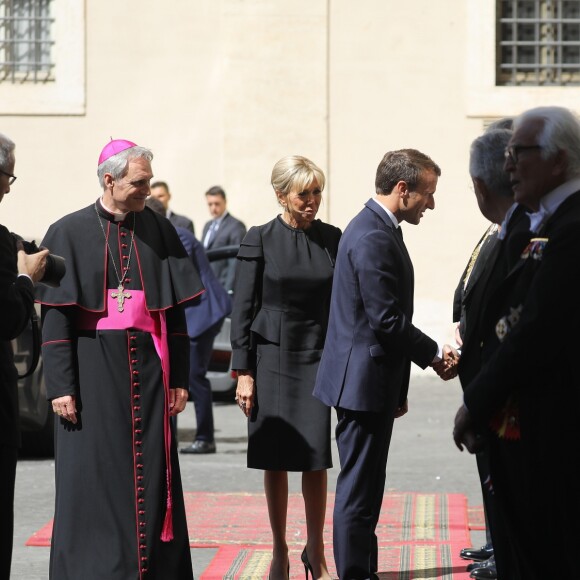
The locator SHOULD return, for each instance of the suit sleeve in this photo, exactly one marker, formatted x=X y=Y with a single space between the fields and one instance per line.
x=247 y=292
x=378 y=267
x=16 y=292
x=236 y=237
x=59 y=355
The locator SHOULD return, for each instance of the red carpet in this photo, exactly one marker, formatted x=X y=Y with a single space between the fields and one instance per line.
x=419 y=535
x=475 y=517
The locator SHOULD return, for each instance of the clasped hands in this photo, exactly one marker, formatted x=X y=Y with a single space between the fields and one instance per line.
x=446 y=368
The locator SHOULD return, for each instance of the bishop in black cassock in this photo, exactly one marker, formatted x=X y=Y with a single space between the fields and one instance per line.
x=115 y=350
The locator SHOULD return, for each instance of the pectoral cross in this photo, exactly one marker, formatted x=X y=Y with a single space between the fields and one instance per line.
x=120 y=295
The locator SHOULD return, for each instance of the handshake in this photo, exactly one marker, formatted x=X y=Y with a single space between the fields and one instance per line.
x=446 y=368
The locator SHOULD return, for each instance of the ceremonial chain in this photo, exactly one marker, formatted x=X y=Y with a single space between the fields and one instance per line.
x=120 y=295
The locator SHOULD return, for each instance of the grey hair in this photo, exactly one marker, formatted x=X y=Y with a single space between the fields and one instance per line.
x=118 y=165
x=295 y=173
x=6 y=150
x=503 y=123
x=486 y=161
x=560 y=132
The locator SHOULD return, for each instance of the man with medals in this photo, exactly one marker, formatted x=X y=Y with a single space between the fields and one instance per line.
x=525 y=397
x=115 y=351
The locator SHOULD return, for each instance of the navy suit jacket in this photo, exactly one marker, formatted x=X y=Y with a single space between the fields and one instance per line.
x=371 y=340
x=214 y=304
x=230 y=233
x=181 y=221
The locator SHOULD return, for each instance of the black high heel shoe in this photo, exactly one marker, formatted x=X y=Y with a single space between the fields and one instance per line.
x=307 y=564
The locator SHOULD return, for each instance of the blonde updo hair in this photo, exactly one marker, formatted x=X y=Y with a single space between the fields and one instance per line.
x=295 y=173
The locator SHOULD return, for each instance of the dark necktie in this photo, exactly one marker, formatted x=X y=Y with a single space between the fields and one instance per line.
x=399 y=232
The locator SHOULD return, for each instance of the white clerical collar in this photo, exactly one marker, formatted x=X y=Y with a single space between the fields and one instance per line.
x=119 y=217
x=387 y=211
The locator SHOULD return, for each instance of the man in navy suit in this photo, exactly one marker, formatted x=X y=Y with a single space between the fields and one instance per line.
x=222 y=230
x=370 y=344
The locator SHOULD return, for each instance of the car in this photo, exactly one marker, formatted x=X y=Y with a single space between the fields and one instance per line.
x=36 y=416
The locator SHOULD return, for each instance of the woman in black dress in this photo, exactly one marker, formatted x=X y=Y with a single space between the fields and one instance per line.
x=279 y=320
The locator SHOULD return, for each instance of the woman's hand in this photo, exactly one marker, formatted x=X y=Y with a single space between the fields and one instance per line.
x=245 y=391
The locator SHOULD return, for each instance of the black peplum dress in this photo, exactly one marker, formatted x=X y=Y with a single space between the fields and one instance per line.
x=279 y=321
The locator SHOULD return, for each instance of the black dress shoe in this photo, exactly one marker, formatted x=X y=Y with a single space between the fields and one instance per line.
x=486 y=570
x=477 y=554
x=199 y=447
x=474 y=565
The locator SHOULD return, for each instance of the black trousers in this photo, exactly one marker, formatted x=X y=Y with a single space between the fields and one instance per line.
x=8 y=457
x=200 y=348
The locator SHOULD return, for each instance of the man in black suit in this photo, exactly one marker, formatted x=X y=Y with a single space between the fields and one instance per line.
x=495 y=254
x=370 y=344
x=527 y=394
x=18 y=272
x=160 y=191
x=222 y=230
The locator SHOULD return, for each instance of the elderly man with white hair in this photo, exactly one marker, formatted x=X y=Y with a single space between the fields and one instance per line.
x=489 y=263
x=527 y=394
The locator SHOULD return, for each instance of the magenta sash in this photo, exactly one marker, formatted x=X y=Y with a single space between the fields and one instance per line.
x=135 y=315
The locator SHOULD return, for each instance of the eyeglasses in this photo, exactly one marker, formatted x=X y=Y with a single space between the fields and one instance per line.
x=12 y=178
x=512 y=153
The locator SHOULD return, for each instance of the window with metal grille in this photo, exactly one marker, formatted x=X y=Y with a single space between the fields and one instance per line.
x=25 y=41
x=538 y=42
